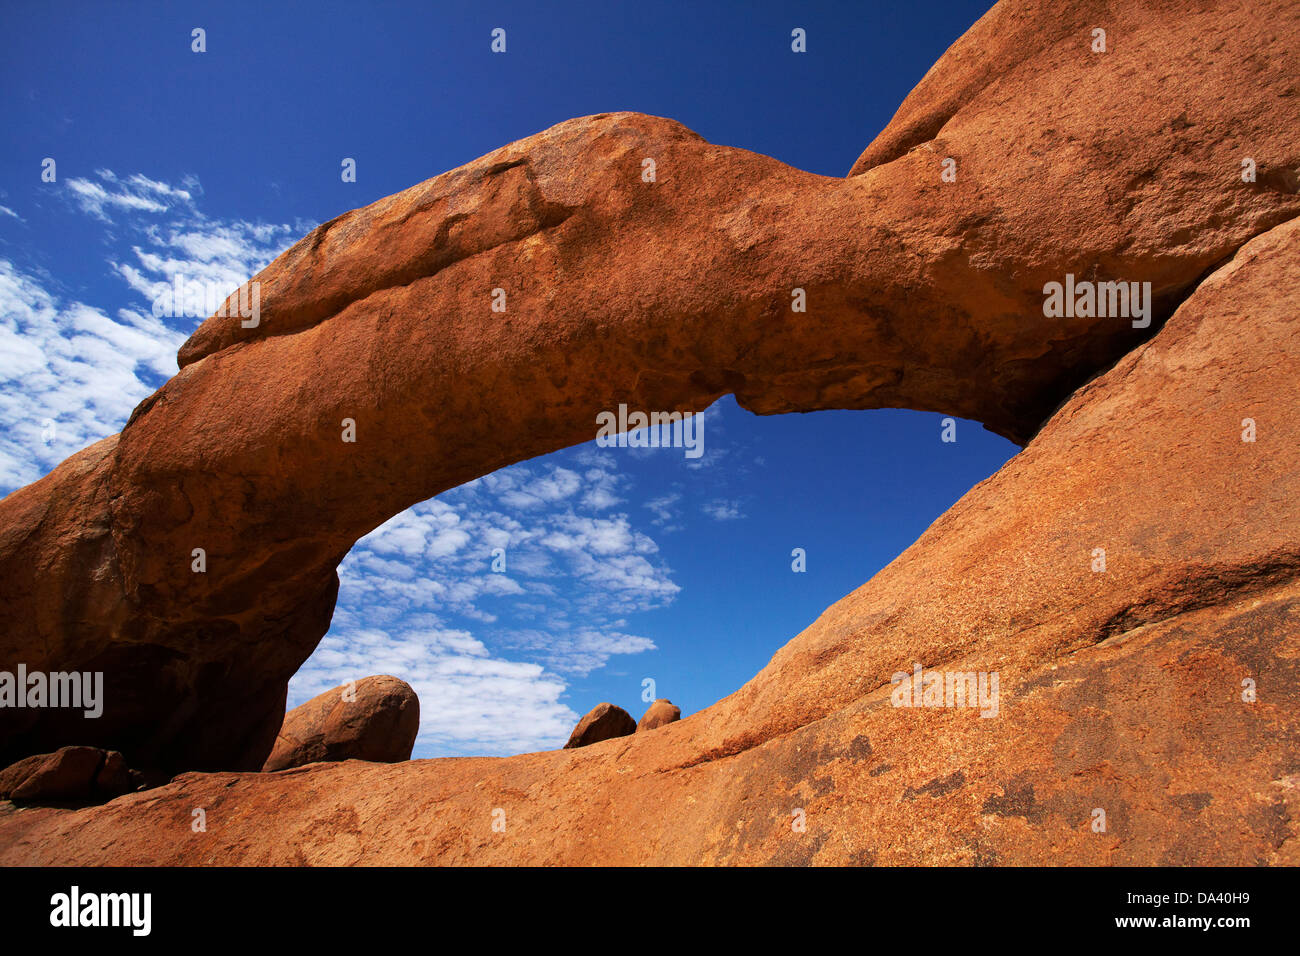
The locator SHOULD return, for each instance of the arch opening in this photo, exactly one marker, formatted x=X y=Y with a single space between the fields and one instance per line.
x=516 y=603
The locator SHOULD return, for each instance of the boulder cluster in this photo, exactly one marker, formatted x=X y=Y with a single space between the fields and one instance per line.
x=374 y=719
x=605 y=722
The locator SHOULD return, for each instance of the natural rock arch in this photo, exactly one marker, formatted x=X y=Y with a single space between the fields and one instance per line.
x=666 y=295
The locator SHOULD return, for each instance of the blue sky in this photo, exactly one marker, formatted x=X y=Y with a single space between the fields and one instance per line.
x=622 y=564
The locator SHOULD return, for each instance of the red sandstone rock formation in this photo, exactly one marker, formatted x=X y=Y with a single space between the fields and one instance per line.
x=662 y=711
x=375 y=718
x=1121 y=690
x=68 y=774
x=602 y=722
x=920 y=293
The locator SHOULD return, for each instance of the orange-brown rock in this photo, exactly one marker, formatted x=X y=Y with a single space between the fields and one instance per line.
x=662 y=711
x=1122 y=690
x=602 y=722
x=1163 y=691
x=68 y=774
x=375 y=718
x=114 y=777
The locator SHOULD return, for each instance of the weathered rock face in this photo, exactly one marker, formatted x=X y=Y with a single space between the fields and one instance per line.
x=602 y=722
x=376 y=718
x=1163 y=692
x=921 y=293
x=662 y=711
x=68 y=774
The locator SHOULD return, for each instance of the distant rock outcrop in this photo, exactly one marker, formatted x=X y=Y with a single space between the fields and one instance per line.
x=662 y=711
x=375 y=718
x=603 y=722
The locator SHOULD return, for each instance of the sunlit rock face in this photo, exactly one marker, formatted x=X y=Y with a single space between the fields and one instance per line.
x=923 y=286
x=375 y=718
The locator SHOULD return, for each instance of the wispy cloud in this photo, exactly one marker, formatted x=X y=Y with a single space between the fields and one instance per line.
x=134 y=194
x=666 y=510
x=71 y=372
x=722 y=510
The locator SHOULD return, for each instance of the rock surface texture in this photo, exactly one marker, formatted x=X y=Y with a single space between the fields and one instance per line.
x=662 y=711
x=602 y=722
x=69 y=774
x=1162 y=690
x=376 y=718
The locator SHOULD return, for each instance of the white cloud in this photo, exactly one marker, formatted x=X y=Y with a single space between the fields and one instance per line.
x=93 y=198
x=722 y=510
x=580 y=651
x=69 y=373
x=72 y=372
x=533 y=492
x=601 y=479
x=665 y=510
x=135 y=194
